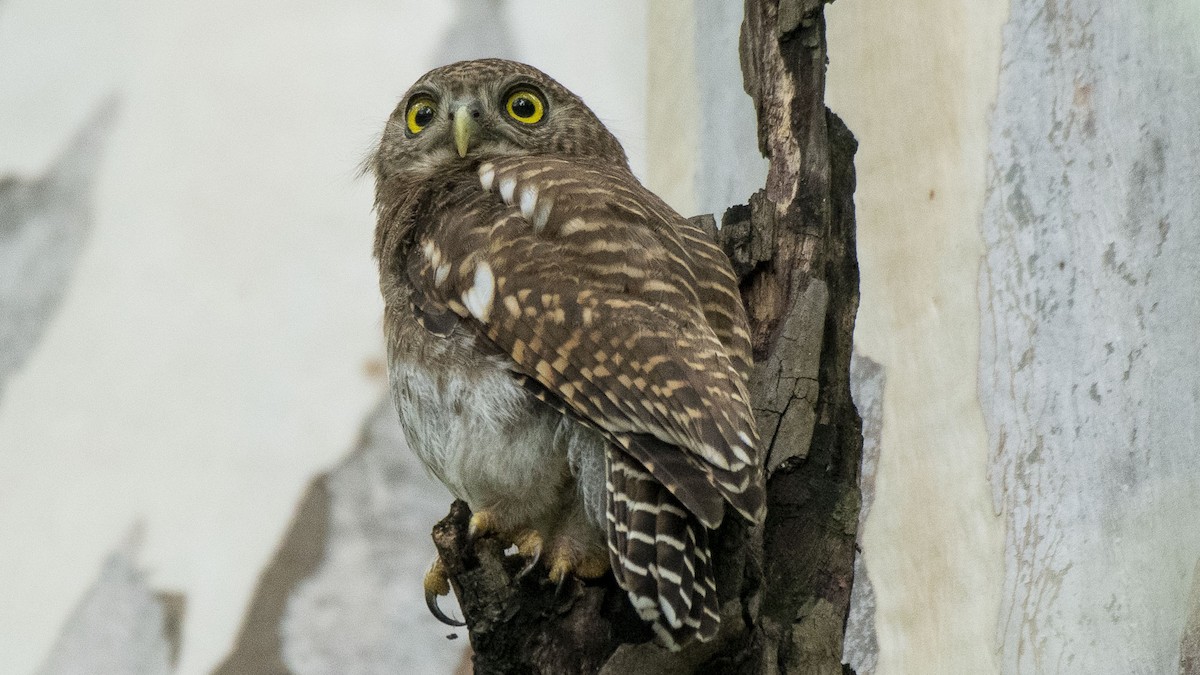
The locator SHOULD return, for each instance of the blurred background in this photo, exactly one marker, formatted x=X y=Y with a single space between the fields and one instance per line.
x=199 y=468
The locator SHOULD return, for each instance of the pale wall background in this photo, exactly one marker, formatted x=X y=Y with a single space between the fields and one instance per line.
x=197 y=471
x=1029 y=210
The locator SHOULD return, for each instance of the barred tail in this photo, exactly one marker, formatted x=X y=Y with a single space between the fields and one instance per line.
x=660 y=555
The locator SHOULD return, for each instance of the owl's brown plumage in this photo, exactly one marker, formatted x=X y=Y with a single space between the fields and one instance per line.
x=568 y=354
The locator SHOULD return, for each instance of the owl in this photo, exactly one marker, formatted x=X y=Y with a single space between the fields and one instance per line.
x=567 y=354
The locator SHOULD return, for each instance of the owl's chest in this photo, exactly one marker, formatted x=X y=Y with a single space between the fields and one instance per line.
x=469 y=422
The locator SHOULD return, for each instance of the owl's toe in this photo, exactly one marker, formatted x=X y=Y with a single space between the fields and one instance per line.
x=482 y=522
x=529 y=545
x=567 y=559
x=437 y=584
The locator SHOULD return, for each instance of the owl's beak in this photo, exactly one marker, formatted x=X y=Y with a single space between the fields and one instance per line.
x=465 y=128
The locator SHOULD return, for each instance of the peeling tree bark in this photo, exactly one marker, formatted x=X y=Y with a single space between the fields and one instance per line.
x=786 y=585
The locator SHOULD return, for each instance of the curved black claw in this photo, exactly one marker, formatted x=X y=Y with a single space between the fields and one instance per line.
x=561 y=585
x=431 y=601
x=533 y=561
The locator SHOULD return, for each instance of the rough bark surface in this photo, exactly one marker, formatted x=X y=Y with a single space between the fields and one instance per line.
x=786 y=585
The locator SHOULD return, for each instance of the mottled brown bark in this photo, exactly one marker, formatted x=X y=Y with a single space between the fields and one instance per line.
x=786 y=585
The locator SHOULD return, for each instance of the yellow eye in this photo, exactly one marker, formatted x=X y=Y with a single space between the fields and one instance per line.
x=525 y=106
x=420 y=114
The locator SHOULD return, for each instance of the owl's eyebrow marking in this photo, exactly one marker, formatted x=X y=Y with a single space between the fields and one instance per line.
x=522 y=83
x=421 y=93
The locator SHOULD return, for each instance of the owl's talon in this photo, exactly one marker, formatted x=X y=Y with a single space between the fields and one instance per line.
x=431 y=601
x=529 y=545
x=561 y=586
x=560 y=568
x=529 y=567
x=438 y=584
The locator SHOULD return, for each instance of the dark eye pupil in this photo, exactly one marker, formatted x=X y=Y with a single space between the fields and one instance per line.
x=424 y=116
x=523 y=107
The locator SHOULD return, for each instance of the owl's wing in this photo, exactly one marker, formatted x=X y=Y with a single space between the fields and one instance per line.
x=594 y=289
x=717 y=288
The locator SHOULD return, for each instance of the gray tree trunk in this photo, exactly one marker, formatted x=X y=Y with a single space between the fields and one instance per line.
x=786 y=585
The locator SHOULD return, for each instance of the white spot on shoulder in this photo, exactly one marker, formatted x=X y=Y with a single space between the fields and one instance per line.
x=528 y=202
x=432 y=253
x=478 y=298
x=542 y=216
x=487 y=175
x=507 y=187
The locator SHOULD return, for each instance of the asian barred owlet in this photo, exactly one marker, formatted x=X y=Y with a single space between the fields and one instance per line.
x=567 y=354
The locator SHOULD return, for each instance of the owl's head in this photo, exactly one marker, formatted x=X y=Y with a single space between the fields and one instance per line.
x=472 y=111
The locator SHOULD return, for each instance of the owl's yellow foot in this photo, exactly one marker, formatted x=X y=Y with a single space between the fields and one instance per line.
x=438 y=584
x=567 y=560
x=566 y=556
x=482 y=522
x=528 y=541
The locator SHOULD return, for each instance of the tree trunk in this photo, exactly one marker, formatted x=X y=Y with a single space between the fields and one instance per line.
x=786 y=585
